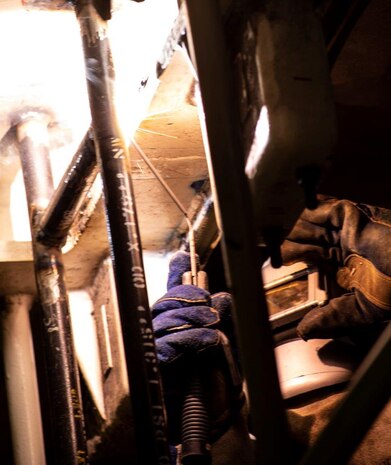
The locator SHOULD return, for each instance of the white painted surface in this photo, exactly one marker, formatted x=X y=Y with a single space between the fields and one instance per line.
x=21 y=382
x=156 y=274
x=86 y=345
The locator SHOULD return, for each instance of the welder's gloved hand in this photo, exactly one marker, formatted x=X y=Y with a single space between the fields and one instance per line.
x=357 y=239
x=191 y=328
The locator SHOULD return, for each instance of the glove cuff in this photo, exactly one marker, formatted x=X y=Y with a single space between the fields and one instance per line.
x=359 y=273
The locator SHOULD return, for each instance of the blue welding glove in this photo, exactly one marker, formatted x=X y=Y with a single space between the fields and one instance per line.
x=191 y=328
x=356 y=238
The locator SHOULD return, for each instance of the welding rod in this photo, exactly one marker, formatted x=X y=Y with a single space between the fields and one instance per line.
x=178 y=203
x=125 y=246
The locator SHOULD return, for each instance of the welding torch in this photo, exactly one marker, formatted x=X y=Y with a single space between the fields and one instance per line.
x=195 y=448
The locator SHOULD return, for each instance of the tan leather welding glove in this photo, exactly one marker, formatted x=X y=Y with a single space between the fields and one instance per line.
x=357 y=239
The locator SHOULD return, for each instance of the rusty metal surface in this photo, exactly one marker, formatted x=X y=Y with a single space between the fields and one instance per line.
x=171 y=138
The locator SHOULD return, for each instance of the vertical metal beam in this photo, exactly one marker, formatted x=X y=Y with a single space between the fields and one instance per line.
x=126 y=252
x=338 y=22
x=21 y=381
x=236 y=218
x=65 y=399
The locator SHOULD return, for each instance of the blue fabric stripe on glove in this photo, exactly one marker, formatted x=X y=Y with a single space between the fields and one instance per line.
x=182 y=296
x=186 y=343
x=194 y=317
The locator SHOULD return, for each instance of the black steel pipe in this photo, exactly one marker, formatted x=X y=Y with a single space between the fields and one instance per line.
x=68 y=438
x=141 y=361
x=71 y=191
x=368 y=393
x=243 y=270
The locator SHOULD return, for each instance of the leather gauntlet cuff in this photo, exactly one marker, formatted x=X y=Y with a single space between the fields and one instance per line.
x=360 y=273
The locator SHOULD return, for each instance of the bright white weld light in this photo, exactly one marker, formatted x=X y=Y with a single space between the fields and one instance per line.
x=138 y=32
x=43 y=68
x=259 y=144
